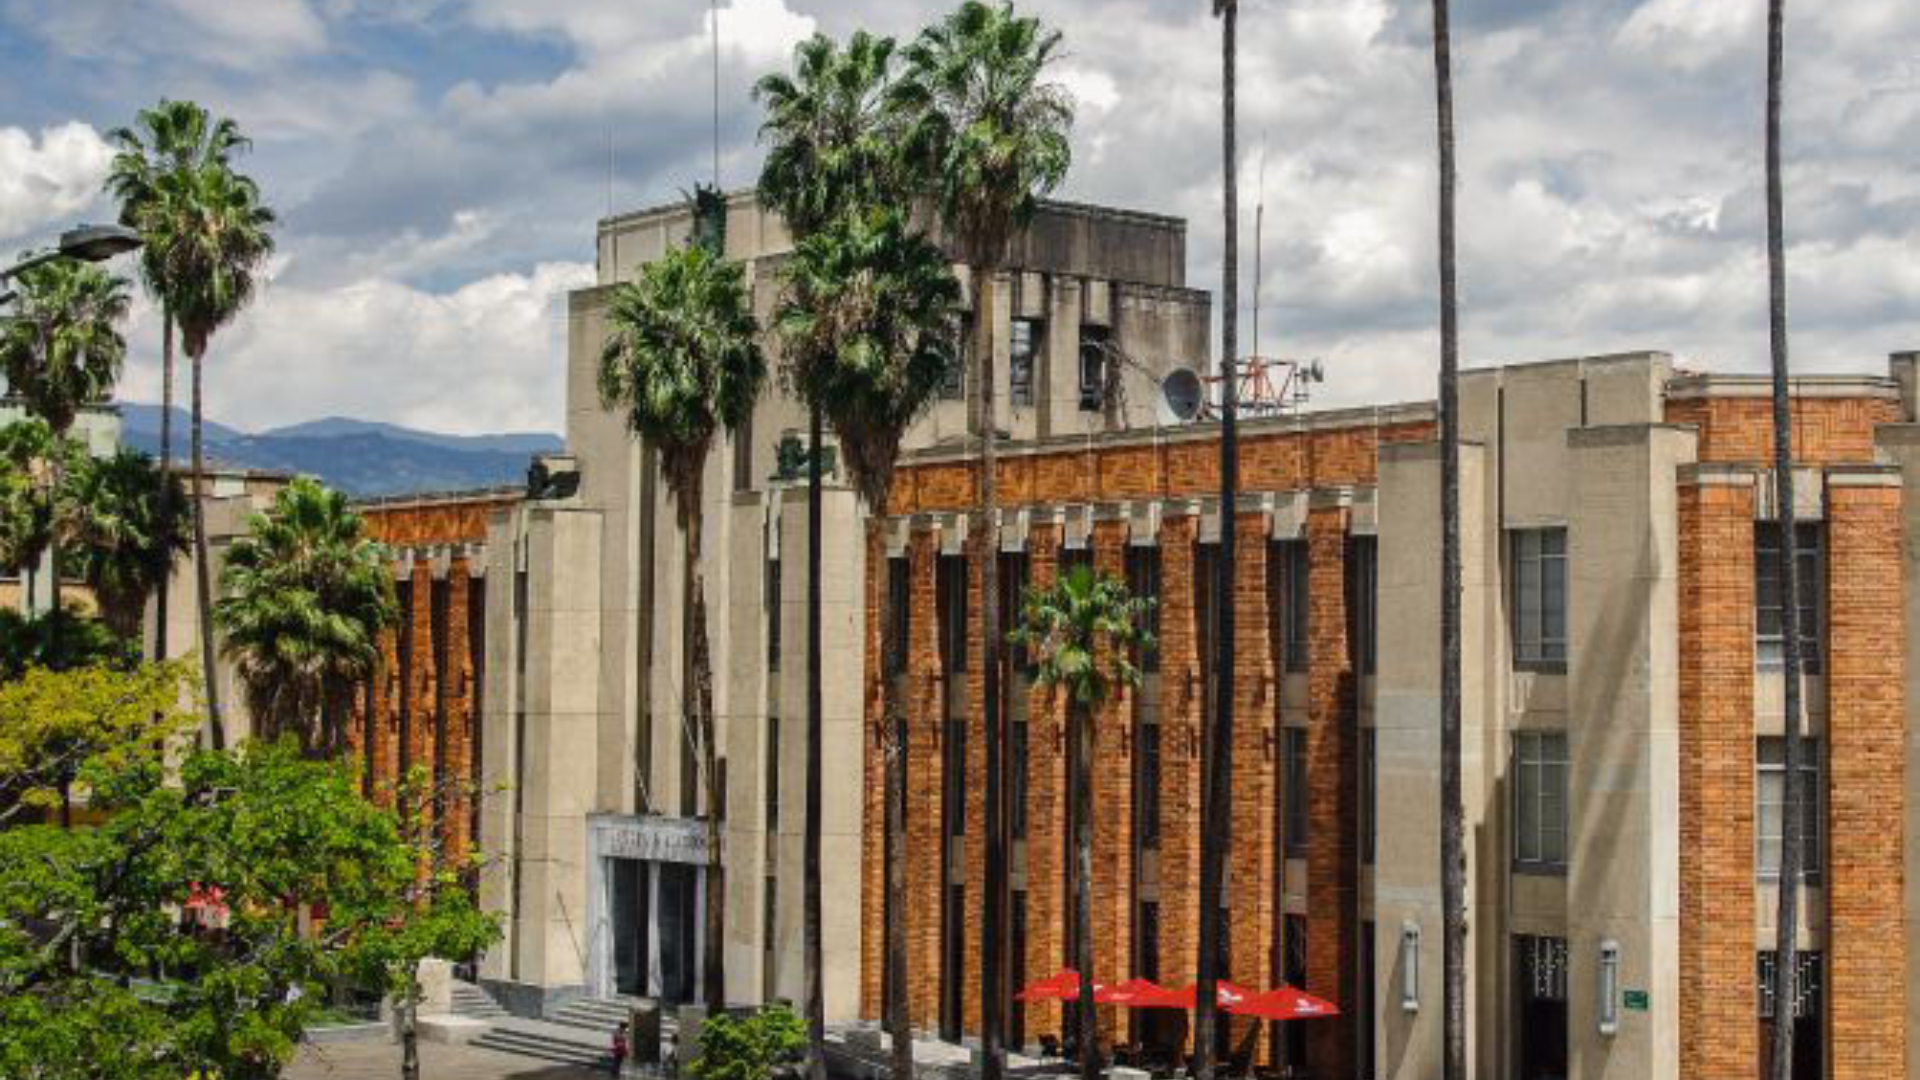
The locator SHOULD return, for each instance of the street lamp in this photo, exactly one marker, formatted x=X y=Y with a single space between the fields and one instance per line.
x=88 y=243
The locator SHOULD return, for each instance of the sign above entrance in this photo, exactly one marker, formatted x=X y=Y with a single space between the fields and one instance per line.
x=648 y=839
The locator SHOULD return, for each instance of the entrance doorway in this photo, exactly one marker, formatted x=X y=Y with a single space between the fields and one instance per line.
x=654 y=911
x=1809 y=1043
x=1540 y=1015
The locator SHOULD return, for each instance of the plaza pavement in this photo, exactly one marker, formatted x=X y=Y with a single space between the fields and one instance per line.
x=380 y=1060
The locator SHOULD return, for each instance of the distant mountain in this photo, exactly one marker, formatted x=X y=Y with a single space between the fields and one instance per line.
x=362 y=458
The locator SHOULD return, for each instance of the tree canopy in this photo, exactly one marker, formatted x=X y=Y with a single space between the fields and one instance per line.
x=61 y=350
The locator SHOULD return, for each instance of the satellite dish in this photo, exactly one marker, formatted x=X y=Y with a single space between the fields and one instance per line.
x=1316 y=373
x=1182 y=394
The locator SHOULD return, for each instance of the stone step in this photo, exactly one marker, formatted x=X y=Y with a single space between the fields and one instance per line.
x=545 y=1042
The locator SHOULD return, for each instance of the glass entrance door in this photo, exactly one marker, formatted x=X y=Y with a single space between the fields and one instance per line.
x=1540 y=1018
x=630 y=924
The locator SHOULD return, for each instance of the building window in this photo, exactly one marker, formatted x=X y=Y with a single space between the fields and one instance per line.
x=1021 y=350
x=1093 y=367
x=1363 y=576
x=1294 y=744
x=773 y=614
x=1540 y=801
x=1287 y=614
x=1369 y=794
x=1539 y=566
x=1017 y=769
x=953 y=387
x=773 y=776
x=1148 y=964
x=899 y=614
x=1806 y=984
x=1143 y=581
x=952 y=603
x=1015 y=570
x=1769 y=629
x=1146 y=792
x=1770 y=805
x=1295 y=968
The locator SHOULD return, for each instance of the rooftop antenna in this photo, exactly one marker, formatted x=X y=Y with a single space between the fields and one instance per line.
x=713 y=9
x=1259 y=245
x=609 y=170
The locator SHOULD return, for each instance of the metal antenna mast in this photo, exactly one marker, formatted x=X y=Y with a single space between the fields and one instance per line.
x=713 y=9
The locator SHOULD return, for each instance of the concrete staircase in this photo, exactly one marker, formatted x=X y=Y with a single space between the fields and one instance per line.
x=578 y=1033
x=474 y=1003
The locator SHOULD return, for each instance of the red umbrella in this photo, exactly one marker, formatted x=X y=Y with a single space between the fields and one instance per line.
x=1064 y=986
x=1134 y=993
x=1285 y=1003
x=1225 y=992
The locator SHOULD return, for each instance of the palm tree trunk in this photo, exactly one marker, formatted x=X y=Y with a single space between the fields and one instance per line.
x=166 y=470
x=202 y=568
x=701 y=698
x=1082 y=717
x=409 y=1037
x=1453 y=864
x=994 y=954
x=1792 y=855
x=814 y=961
x=1216 y=809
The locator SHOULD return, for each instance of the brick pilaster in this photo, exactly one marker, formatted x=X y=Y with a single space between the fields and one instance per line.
x=1112 y=799
x=1180 y=710
x=458 y=821
x=925 y=716
x=1719 y=1000
x=1250 y=864
x=974 y=852
x=1332 y=802
x=1866 y=717
x=422 y=688
x=384 y=703
x=1046 y=843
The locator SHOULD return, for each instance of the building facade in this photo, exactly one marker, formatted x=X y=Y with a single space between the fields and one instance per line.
x=600 y=847
x=1622 y=723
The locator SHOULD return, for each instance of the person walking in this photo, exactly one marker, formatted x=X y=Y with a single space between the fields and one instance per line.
x=620 y=1049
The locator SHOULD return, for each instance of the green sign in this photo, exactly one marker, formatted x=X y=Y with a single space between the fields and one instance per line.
x=1635 y=1000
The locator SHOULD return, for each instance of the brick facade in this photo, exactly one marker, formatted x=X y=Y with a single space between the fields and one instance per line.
x=1332 y=802
x=1112 y=796
x=1250 y=889
x=1180 y=714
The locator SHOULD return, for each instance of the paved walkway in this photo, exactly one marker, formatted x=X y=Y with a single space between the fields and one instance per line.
x=380 y=1060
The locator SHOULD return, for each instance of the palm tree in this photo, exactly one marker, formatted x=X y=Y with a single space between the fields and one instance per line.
x=1792 y=843
x=993 y=131
x=63 y=351
x=172 y=138
x=27 y=452
x=1084 y=630
x=116 y=516
x=1453 y=857
x=682 y=361
x=861 y=321
x=208 y=231
x=304 y=596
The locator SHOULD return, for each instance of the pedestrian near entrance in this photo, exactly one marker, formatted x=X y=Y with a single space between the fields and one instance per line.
x=620 y=1048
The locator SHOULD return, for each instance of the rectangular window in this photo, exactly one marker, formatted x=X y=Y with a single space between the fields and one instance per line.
x=952 y=602
x=1363 y=577
x=899 y=614
x=1017 y=775
x=1295 y=930
x=954 y=778
x=1806 y=984
x=1295 y=747
x=773 y=614
x=1287 y=610
x=1538 y=562
x=1769 y=629
x=1148 y=964
x=1770 y=805
x=954 y=386
x=773 y=776
x=1369 y=794
x=1022 y=347
x=1094 y=361
x=1147 y=787
x=1014 y=573
x=1540 y=801
x=1143 y=581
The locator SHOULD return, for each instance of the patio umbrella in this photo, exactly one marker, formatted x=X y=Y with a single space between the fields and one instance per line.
x=1064 y=986
x=1228 y=994
x=1285 y=1003
x=1134 y=993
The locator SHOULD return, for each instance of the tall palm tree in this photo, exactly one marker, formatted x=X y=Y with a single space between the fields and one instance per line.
x=994 y=131
x=304 y=596
x=62 y=351
x=682 y=362
x=209 y=231
x=116 y=516
x=1792 y=843
x=27 y=494
x=1084 y=630
x=1453 y=856
x=833 y=156
x=173 y=137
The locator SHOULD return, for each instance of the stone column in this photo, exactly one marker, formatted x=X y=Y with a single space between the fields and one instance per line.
x=1719 y=1000
x=1866 y=729
x=1332 y=799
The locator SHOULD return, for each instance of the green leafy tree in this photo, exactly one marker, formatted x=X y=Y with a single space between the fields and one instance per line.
x=1084 y=631
x=56 y=723
x=59 y=641
x=169 y=940
x=171 y=139
x=991 y=130
x=682 y=361
x=28 y=450
x=748 y=1047
x=304 y=596
x=117 y=520
x=62 y=351
x=208 y=234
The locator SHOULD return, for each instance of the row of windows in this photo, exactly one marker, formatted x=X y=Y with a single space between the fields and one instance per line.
x=1537 y=565
x=1026 y=340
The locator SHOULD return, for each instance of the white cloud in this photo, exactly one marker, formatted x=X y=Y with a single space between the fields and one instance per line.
x=254 y=35
x=1691 y=34
x=46 y=182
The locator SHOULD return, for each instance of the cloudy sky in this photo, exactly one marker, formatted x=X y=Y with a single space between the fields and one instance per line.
x=439 y=165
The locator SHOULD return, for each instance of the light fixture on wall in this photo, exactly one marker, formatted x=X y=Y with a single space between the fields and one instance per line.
x=1609 y=987
x=1409 y=967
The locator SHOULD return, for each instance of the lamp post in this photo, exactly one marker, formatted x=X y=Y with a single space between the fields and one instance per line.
x=87 y=243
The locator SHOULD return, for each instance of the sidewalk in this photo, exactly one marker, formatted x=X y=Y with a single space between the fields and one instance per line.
x=380 y=1060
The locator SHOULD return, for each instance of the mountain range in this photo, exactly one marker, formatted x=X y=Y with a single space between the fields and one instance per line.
x=363 y=458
